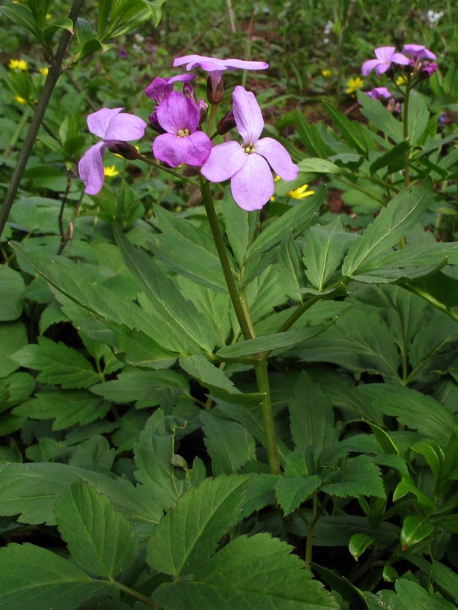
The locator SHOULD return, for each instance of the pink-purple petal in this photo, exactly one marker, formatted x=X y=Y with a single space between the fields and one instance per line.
x=247 y=114
x=214 y=64
x=170 y=149
x=177 y=112
x=90 y=169
x=385 y=53
x=369 y=65
x=199 y=148
x=125 y=127
x=253 y=185
x=99 y=121
x=224 y=161
x=400 y=59
x=278 y=157
x=418 y=51
x=242 y=64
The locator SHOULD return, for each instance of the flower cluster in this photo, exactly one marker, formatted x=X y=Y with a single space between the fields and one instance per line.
x=415 y=59
x=178 y=118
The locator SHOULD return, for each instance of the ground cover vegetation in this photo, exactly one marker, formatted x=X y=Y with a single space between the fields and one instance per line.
x=228 y=305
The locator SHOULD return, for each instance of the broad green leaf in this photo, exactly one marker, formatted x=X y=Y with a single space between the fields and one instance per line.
x=65 y=407
x=154 y=451
x=414 y=530
x=13 y=336
x=229 y=444
x=11 y=289
x=240 y=226
x=213 y=378
x=188 y=250
x=146 y=388
x=248 y=574
x=413 y=409
x=276 y=341
x=405 y=487
x=360 y=543
x=58 y=363
x=311 y=135
x=395 y=221
x=294 y=221
x=359 y=340
x=393 y=159
x=136 y=348
x=353 y=132
x=380 y=117
x=185 y=330
x=260 y=493
x=359 y=476
x=31 y=491
x=323 y=252
x=291 y=270
x=17 y=387
x=21 y=15
x=292 y=491
x=32 y=578
x=99 y=538
x=410 y=595
x=433 y=454
x=319 y=166
x=186 y=537
x=442 y=575
x=311 y=416
x=337 y=530
x=418 y=117
x=106 y=304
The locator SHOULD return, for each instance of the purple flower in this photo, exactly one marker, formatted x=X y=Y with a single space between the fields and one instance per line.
x=418 y=51
x=182 y=143
x=160 y=87
x=379 y=92
x=385 y=57
x=428 y=69
x=215 y=67
x=112 y=127
x=249 y=165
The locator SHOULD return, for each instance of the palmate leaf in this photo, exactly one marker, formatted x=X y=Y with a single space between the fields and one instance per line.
x=187 y=536
x=99 y=538
x=31 y=491
x=186 y=329
x=32 y=578
x=58 y=363
x=248 y=574
x=395 y=221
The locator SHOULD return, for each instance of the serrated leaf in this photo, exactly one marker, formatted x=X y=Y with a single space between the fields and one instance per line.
x=153 y=454
x=58 y=363
x=359 y=476
x=13 y=336
x=311 y=416
x=99 y=538
x=31 y=491
x=65 y=407
x=146 y=388
x=187 y=536
x=187 y=250
x=260 y=493
x=11 y=289
x=292 y=491
x=275 y=341
x=395 y=221
x=410 y=595
x=229 y=444
x=213 y=378
x=185 y=329
x=32 y=578
x=248 y=574
x=323 y=252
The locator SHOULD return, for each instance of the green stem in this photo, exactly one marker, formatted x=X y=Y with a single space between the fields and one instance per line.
x=245 y=323
x=211 y=118
x=310 y=528
x=17 y=133
x=262 y=378
x=51 y=81
x=142 y=598
x=406 y=135
x=168 y=170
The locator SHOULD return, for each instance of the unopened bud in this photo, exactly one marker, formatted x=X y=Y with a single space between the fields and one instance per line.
x=188 y=91
x=226 y=123
x=203 y=109
x=154 y=123
x=215 y=89
x=123 y=149
x=428 y=70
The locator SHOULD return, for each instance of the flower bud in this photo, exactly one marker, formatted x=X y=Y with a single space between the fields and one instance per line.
x=203 y=109
x=123 y=149
x=154 y=123
x=188 y=91
x=215 y=90
x=226 y=123
x=428 y=70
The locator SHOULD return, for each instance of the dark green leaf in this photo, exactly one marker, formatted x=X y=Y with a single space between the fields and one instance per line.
x=291 y=492
x=229 y=444
x=11 y=289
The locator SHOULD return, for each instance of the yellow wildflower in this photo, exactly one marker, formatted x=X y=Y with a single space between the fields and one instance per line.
x=48 y=16
x=43 y=71
x=110 y=171
x=401 y=79
x=326 y=73
x=353 y=84
x=301 y=192
x=18 y=64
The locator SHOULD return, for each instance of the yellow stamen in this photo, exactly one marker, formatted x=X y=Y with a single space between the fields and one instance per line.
x=182 y=133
